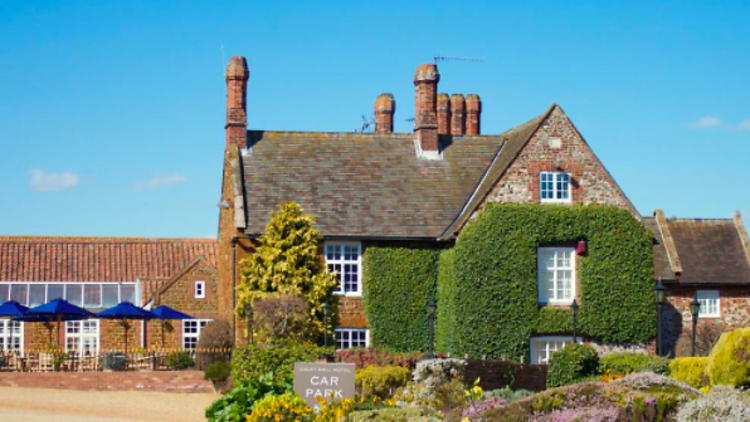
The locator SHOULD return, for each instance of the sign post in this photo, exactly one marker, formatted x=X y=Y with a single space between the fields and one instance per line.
x=331 y=381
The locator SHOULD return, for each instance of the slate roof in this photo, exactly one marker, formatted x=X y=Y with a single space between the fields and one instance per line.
x=710 y=251
x=40 y=258
x=371 y=185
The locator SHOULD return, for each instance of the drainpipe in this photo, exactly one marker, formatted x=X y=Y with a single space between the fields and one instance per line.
x=234 y=288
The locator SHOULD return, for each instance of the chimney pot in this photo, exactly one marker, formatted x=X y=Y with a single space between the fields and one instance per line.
x=444 y=114
x=236 y=76
x=473 y=114
x=458 y=114
x=385 y=108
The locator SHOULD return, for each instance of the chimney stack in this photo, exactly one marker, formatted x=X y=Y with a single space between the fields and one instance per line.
x=236 y=76
x=444 y=114
x=385 y=107
x=473 y=114
x=426 y=79
x=458 y=114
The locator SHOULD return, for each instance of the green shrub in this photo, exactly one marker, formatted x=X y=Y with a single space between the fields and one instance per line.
x=217 y=372
x=251 y=362
x=381 y=381
x=179 y=361
x=114 y=361
x=488 y=281
x=571 y=364
x=631 y=362
x=398 y=281
x=507 y=394
x=235 y=405
x=689 y=370
x=728 y=363
x=215 y=335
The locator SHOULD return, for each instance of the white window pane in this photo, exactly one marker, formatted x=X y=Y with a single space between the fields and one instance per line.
x=55 y=291
x=92 y=295
x=74 y=294
x=18 y=292
x=127 y=293
x=110 y=294
x=37 y=294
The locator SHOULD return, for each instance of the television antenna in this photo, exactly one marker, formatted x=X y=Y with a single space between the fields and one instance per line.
x=456 y=59
x=368 y=124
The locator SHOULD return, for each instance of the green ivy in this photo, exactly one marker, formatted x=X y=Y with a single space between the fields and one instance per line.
x=488 y=281
x=398 y=282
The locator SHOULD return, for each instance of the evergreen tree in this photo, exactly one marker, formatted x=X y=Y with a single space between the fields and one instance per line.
x=287 y=262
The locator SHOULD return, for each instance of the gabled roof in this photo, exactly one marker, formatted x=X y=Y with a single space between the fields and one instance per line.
x=372 y=185
x=702 y=251
x=40 y=258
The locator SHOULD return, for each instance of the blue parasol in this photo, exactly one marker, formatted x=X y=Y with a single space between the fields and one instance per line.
x=126 y=311
x=56 y=310
x=164 y=313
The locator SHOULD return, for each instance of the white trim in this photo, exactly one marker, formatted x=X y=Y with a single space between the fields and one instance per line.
x=340 y=290
x=704 y=296
x=555 y=180
x=547 y=340
x=199 y=289
x=81 y=336
x=541 y=268
x=349 y=344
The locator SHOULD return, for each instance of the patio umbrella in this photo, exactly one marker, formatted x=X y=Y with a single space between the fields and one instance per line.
x=12 y=309
x=164 y=313
x=126 y=311
x=56 y=310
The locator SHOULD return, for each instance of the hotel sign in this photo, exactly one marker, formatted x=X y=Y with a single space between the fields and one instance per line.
x=331 y=381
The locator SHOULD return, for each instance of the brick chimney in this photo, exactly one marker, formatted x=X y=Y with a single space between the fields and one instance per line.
x=444 y=114
x=426 y=79
x=458 y=114
x=473 y=114
x=236 y=76
x=385 y=107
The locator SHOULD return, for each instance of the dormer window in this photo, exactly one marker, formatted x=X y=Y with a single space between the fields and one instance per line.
x=554 y=187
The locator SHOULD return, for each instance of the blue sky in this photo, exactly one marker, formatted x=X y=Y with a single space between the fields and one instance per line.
x=111 y=113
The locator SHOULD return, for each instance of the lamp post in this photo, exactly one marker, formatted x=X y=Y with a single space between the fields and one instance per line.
x=326 y=308
x=574 y=308
x=695 y=308
x=660 y=295
x=249 y=315
x=431 y=309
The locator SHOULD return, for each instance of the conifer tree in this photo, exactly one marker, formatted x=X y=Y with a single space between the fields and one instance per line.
x=287 y=262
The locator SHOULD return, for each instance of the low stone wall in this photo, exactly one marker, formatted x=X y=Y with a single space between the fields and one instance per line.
x=499 y=373
x=163 y=381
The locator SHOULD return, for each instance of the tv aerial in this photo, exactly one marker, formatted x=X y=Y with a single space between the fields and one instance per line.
x=456 y=59
x=368 y=124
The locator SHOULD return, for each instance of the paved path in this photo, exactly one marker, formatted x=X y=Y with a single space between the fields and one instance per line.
x=43 y=405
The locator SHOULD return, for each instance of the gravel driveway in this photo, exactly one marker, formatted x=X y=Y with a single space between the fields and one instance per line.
x=44 y=405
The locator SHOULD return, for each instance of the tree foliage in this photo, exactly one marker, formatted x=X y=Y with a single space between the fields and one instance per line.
x=287 y=262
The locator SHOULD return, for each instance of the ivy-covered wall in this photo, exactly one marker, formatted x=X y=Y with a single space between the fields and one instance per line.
x=488 y=280
x=398 y=281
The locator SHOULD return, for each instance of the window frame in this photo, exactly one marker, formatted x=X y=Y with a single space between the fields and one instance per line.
x=202 y=285
x=541 y=268
x=555 y=180
x=18 y=337
x=340 y=291
x=351 y=330
x=547 y=340
x=80 y=335
x=200 y=325
x=65 y=285
x=709 y=295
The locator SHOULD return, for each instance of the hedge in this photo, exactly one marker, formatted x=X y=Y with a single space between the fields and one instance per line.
x=250 y=363
x=488 y=281
x=729 y=361
x=632 y=362
x=571 y=364
x=689 y=370
x=398 y=282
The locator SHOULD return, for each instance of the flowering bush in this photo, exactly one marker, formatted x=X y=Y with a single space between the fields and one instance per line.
x=438 y=384
x=371 y=356
x=650 y=381
x=437 y=371
x=722 y=404
x=287 y=407
x=381 y=381
x=507 y=394
x=477 y=408
x=235 y=405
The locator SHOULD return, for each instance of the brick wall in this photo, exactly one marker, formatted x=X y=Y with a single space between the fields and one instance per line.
x=163 y=381
x=591 y=183
x=498 y=374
